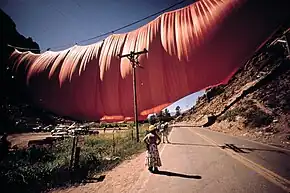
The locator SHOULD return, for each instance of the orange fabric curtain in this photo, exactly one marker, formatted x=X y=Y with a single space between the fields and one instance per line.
x=190 y=49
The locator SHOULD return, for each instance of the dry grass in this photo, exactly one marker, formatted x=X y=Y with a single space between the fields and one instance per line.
x=39 y=169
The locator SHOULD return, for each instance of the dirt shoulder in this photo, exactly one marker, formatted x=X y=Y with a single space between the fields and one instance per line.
x=120 y=179
x=21 y=140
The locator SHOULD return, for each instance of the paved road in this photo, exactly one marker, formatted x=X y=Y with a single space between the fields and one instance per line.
x=199 y=160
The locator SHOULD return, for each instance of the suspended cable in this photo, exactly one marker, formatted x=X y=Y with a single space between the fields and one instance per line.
x=110 y=32
x=133 y=23
x=128 y=25
x=23 y=48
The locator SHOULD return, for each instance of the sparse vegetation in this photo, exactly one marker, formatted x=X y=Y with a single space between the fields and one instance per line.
x=39 y=169
x=230 y=115
x=254 y=117
x=257 y=118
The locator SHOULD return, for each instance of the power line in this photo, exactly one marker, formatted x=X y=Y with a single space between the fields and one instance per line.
x=113 y=31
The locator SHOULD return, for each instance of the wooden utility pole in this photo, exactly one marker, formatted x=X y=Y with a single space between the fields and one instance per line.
x=72 y=158
x=133 y=57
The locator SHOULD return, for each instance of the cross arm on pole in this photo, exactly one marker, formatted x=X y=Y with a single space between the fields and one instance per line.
x=133 y=58
x=133 y=53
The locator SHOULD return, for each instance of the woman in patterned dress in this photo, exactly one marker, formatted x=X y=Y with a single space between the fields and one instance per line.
x=152 y=140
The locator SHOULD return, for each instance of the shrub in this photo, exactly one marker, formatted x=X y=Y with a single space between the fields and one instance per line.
x=39 y=169
x=230 y=115
x=34 y=169
x=257 y=118
x=254 y=117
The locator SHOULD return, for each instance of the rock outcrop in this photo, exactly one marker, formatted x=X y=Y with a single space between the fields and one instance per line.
x=11 y=91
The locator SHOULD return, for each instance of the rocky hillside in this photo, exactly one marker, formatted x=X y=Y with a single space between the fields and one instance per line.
x=256 y=101
x=16 y=113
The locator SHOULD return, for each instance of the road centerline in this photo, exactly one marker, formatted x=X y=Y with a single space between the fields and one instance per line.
x=267 y=174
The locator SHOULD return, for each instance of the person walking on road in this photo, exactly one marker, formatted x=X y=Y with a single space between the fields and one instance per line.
x=152 y=140
x=164 y=132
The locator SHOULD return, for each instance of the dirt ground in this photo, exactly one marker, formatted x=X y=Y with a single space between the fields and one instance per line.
x=21 y=140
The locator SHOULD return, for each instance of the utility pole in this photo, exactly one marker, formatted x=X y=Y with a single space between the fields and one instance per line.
x=133 y=58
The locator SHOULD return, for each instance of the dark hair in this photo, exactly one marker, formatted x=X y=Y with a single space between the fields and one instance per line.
x=152 y=122
x=153 y=131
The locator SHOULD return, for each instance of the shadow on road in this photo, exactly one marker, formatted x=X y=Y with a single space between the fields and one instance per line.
x=232 y=147
x=167 y=173
x=249 y=150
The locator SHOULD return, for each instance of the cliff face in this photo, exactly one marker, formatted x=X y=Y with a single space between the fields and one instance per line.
x=17 y=113
x=10 y=36
x=256 y=101
x=11 y=90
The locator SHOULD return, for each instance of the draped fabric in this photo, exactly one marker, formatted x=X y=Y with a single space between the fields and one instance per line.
x=189 y=49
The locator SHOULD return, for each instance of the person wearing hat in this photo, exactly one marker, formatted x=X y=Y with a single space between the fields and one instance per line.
x=152 y=140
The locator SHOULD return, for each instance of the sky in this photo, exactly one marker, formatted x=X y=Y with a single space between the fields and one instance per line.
x=52 y=23
x=186 y=102
x=59 y=24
